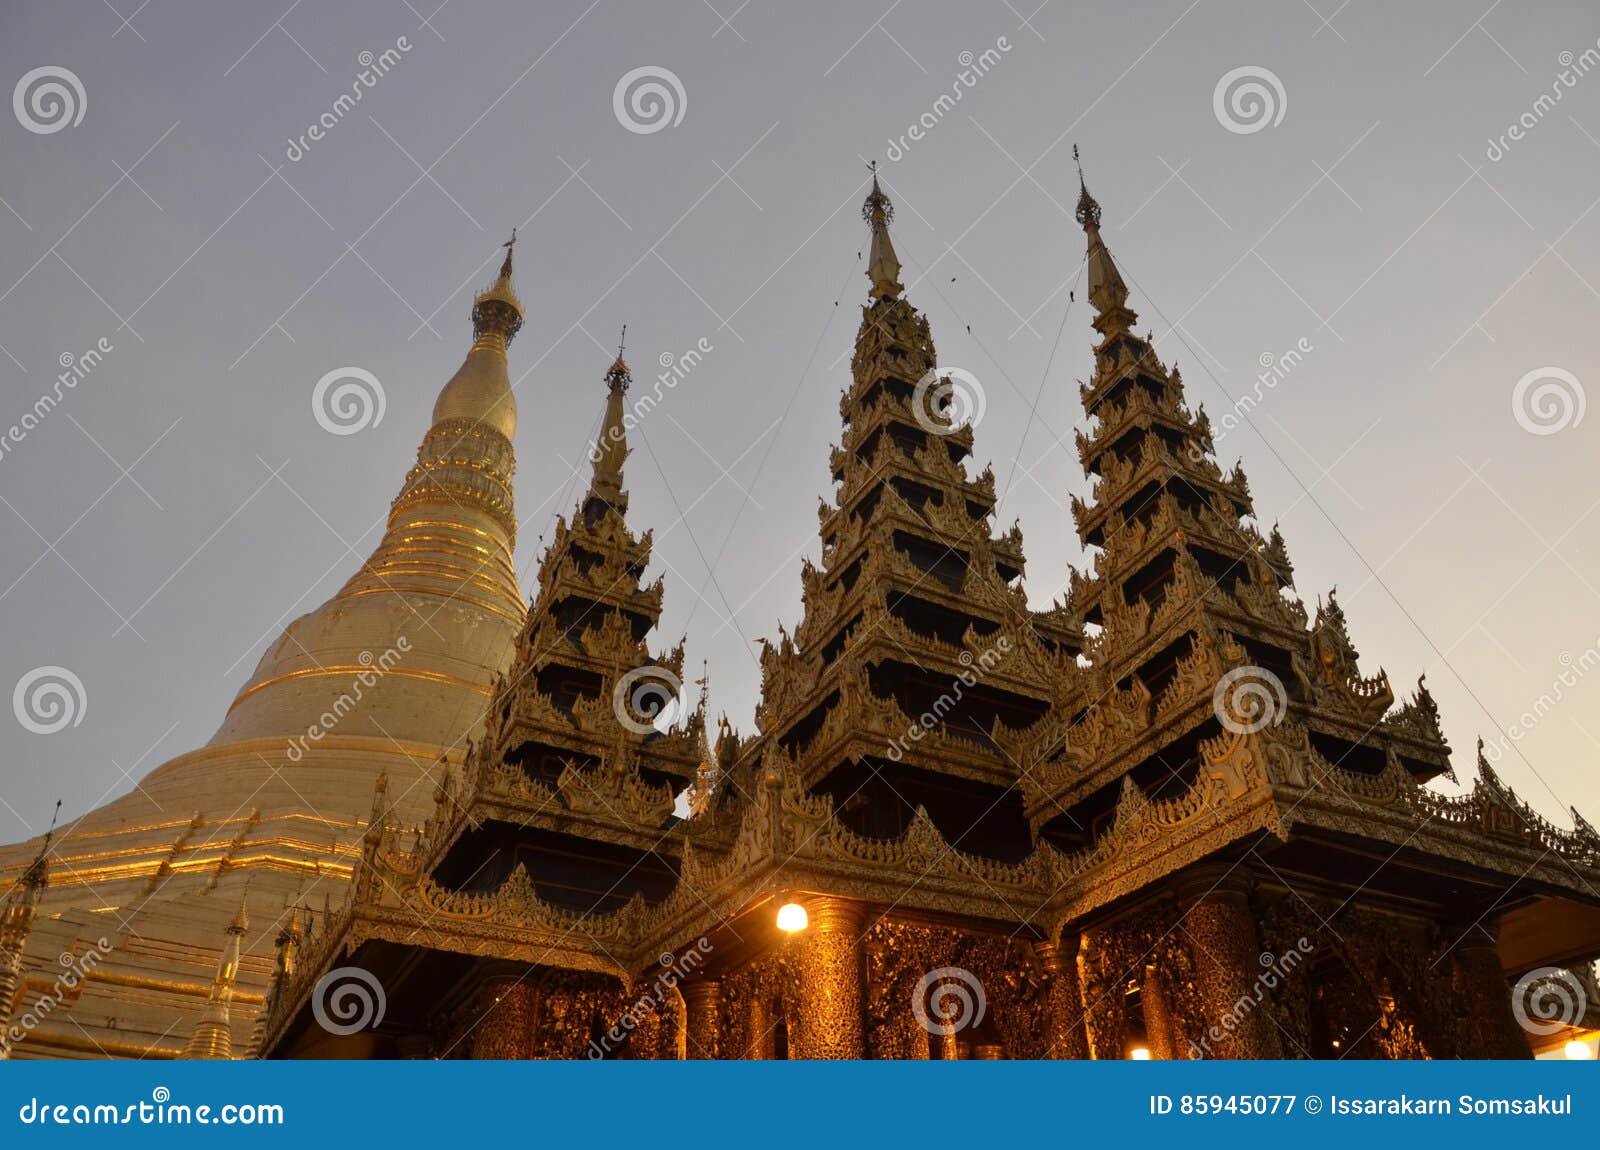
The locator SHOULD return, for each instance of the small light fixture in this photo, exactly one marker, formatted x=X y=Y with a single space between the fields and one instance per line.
x=1578 y=1051
x=1140 y=1054
x=792 y=917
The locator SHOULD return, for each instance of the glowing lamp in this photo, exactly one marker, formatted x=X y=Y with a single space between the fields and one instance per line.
x=1140 y=1054
x=1578 y=1051
x=792 y=917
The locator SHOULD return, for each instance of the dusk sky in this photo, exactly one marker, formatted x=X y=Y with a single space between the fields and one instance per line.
x=1363 y=204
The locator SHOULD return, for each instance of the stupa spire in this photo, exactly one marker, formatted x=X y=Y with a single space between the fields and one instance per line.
x=883 y=265
x=1107 y=292
x=496 y=311
x=213 y=1036
x=611 y=447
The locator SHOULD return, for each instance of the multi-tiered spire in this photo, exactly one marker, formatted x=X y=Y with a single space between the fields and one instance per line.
x=1185 y=589
x=915 y=609
x=572 y=745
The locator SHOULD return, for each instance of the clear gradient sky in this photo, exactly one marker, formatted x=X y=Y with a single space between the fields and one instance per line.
x=182 y=503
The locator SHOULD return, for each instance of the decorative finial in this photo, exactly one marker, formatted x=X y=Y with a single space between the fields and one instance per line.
x=241 y=920
x=618 y=377
x=878 y=209
x=496 y=311
x=883 y=265
x=1088 y=212
x=37 y=875
x=511 y=248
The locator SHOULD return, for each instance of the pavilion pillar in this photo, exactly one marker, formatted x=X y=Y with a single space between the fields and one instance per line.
x=702 y=1001
x=1227 y=962
x=1490 y=1029
x=1157 y=1015
x=503 y=1028
x=827 y=1015
x=1065 y=1036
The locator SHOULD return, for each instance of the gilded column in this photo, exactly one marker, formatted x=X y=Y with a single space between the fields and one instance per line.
x=828 y=1015
x=1489 y=1028
x=702 y=1000
x=758 y=1026
x=1157 y=1014
x=1221 y=936
x=504 y=1025
x=1064 y=1029
x=1103 y=1000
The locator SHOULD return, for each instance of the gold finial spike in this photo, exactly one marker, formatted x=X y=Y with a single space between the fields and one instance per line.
x=496 y=311
x=1088 y=212
x=610 y=448
x=241 y=920
x=883 y=265
x=511 y=247
x=1107 y=291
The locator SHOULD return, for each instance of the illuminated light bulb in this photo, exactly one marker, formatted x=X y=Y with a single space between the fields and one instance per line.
x=1578 y=1050
x=1140 y=1054
x=792 y=917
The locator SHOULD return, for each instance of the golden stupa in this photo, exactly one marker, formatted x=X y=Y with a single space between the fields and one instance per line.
x=389 y=677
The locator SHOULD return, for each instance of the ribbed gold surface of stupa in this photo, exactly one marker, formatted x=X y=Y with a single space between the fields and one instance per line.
x=389 y=677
